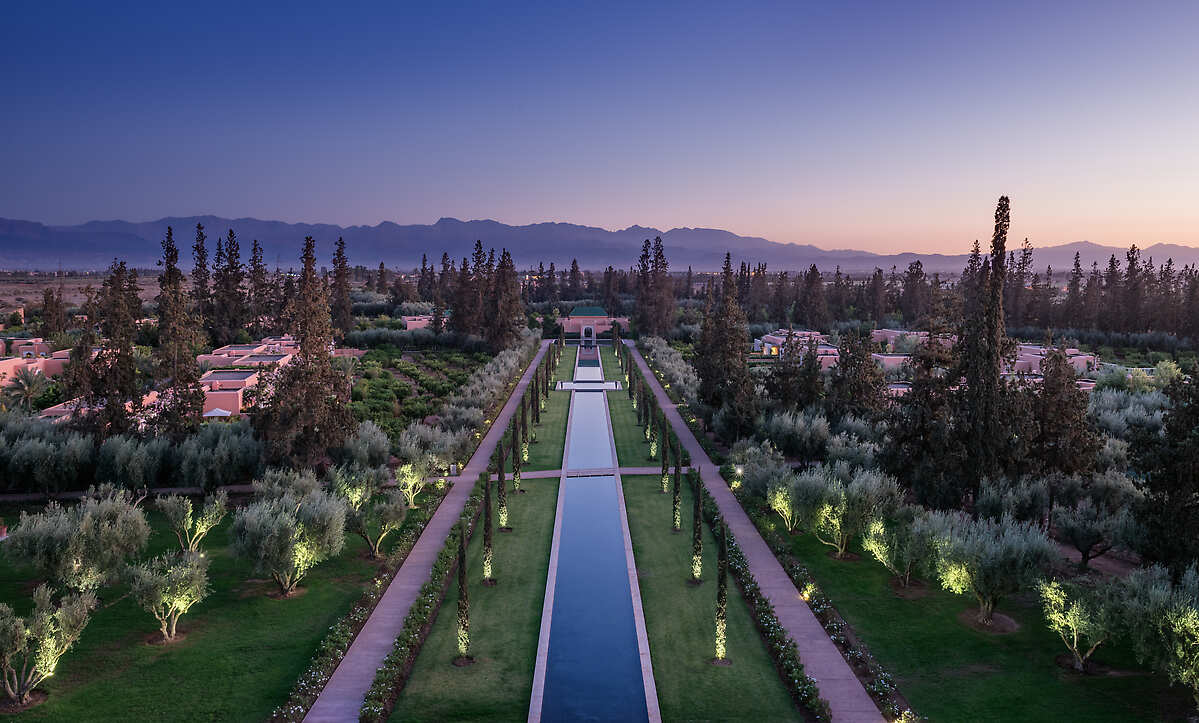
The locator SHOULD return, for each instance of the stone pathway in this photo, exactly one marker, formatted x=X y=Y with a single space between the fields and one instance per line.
x=846 y=696
x=343 y=695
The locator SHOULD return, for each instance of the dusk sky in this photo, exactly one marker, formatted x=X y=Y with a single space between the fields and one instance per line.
x=880 y=126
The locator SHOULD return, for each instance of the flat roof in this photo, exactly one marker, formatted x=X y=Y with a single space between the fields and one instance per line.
x=229 y=374
x=262 y=357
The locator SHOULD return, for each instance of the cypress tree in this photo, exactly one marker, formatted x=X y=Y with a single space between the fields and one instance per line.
x=201 y=296
x=697 y=533
x=228 y=293
x=181 y=399
x=501 y=491
x=524 y=431
x=343 y=319
x=665 y=465
x=516 y=455
x=488 y=552
x=722 y=594
x=463 y=603
x=675 y=505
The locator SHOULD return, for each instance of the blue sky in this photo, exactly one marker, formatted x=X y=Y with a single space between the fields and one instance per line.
x=882 y=126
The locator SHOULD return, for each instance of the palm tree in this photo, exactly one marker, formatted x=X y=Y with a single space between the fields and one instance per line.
x=26 y=385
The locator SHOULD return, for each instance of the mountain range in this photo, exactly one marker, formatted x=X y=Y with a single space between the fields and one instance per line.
x=93 y=245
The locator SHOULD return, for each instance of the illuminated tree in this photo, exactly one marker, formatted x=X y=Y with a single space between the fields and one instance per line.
x=501 y=492
x=665 y=464
x=989 y=559
x=371 y=513
x=676 y=509
x=697 y=532
x=287 y=537
x=168 y=586
x=190 y=528
x=488 y=551
x=516 y=456
x=30 y=648
x=898 y=543
x=463 y=602
x=722 y=593
x=847 y=508
x=1083 y=617
x=86 y=546
x=524 y=429
x=411 y=480
x=779 y=497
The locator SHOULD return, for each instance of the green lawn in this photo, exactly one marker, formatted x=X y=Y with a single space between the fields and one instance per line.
x=566 y=365
x=679 y=620
x=242 y=655
x=505 y=623
x=949 y=672
x=632 y=450
x=547 y=452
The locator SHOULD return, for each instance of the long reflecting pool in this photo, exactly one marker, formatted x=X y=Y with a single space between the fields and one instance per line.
x=589 y=429
x=594 y=669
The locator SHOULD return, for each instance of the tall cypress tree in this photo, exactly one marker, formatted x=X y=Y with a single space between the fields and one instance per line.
x=502 y=489
x=115 y=394
x=665 y=463
x=697 y=532
x=983 y=345
x=343 y=319
x=676 y=512
x=463 y=602
x=307 y=412
x=516 y=456
x=228 y=293
x=201 y=295
x=181 y=399
x=722 y=594
x=488 y=551
x=524 y=430
x=259 y=292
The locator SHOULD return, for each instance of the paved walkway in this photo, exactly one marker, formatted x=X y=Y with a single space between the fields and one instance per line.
x=846 y=696
x=343 y=695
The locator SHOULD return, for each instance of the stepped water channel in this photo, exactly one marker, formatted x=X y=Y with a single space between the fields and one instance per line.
x=593 y=659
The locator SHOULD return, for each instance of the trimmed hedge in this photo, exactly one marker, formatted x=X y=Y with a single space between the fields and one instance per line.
x=397 y=666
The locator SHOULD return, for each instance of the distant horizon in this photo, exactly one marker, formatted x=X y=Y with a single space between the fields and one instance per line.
x=1013 y=241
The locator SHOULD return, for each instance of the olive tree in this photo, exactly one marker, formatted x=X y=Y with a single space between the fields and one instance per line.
x=1084 y=617
x=986 y=558
x=371 y=513
x=82 y=547
x=189 y=527
x=30 y=648
x=899 y=542
x=287 y=536
x=168 y=586
x=411 y=481
x=780 y=498
x=847 y=508
x=368 y=447
x=1163 y=620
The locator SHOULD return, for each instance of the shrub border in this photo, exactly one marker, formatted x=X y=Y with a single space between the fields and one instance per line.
x=783 y=649
x=342 y=633
x=396 y=668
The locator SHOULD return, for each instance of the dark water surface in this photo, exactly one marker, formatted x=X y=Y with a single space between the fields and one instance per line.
x=594 y=668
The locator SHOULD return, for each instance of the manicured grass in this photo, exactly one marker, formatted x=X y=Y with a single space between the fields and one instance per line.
x=242 y=654
x=566 y=365
x=547 y=452
x=949 y=672
x=632 y=449
x=505 y=624
x=612 y=370
x=680 y=621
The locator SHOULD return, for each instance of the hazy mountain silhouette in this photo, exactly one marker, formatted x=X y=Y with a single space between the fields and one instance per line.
x=27 y=245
